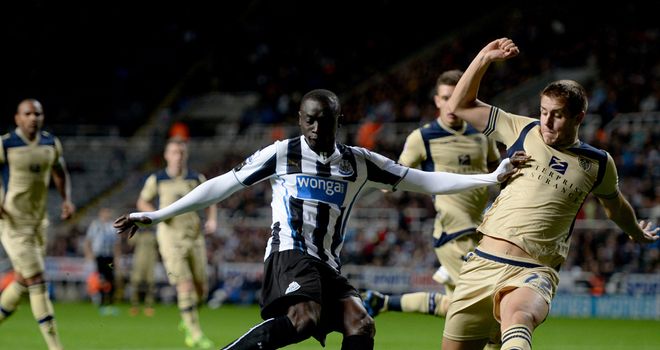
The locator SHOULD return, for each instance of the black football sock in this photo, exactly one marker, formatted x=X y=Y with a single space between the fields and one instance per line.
x=271 y=334
x=357 y=342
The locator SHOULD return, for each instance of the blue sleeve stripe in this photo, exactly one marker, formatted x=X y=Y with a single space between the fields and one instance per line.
x=12 y=141
x=596 y=154
x=430 y=132
x=519 y=145
x=46 y=139
x=162 y=175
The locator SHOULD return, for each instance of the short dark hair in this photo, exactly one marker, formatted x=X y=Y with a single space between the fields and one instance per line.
x=450 y=77
x=327 y=97
x=569 y=91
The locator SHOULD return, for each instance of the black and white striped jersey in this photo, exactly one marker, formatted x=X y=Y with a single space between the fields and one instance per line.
x=313 y=195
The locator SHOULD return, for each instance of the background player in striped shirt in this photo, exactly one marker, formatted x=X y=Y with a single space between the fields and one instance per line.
x=103 y=247
x=315 y=183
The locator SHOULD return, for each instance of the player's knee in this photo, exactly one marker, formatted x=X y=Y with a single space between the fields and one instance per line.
x=360 y=324
x=368 y=327
x=527 y=318
x=305 y=327
x=36 y=279
x=185 y=286
x=203 y=290
x=304 y=318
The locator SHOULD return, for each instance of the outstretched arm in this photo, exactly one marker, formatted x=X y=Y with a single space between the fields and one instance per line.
x=446 y=183
x=202 y=196
x=619 y=210
x=463 y=102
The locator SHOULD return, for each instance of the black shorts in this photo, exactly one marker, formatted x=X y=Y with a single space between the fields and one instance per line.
x=292 y=276
x=105 y=268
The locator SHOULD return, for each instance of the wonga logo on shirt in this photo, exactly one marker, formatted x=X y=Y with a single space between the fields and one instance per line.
x=326 y=190
x=557 y=165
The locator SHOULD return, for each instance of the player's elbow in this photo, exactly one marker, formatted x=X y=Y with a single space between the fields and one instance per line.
x=452 y=106
x=459 y=107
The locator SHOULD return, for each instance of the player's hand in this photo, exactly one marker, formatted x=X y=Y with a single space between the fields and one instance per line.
x=650 y=234
x=500 y=50
x=67 y=210
x=126 y=223
x=510 y=166
x=210 y=226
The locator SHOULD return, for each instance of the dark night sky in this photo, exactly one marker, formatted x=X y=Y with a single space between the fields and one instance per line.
x=69 y=55
x=86 y=61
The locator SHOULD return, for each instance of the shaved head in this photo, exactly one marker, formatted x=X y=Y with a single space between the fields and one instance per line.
x=29 y=102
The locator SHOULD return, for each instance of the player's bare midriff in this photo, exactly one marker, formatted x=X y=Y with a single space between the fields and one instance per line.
x=500 y=246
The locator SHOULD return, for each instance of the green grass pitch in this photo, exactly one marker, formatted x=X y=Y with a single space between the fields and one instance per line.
x=82 y=328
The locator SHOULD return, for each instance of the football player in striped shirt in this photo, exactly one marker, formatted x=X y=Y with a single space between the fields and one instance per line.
x=315 y=182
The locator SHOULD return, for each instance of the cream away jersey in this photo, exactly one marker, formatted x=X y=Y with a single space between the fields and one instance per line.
x=167 y=190
x=313 y=195
x=537 y=210
x=26 y=171
x=436 y=147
